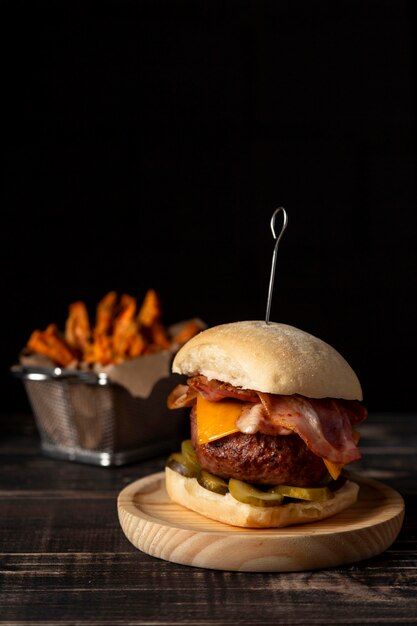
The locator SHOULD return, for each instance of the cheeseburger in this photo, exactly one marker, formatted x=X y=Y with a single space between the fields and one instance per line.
x=273 y=417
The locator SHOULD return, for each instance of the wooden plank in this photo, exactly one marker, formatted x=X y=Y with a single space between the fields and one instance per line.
x=117 y=587
x=65 y=560
x=84 y=593
x=60 y=524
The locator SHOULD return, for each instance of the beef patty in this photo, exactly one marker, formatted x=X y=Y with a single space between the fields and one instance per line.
x=259 y=458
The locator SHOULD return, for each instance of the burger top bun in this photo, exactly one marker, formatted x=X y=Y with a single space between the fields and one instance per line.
x=271 y=358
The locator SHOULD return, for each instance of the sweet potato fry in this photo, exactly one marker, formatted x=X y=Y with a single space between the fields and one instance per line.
x=105 y=314
x=77 y=327
x=100 y=351
x=50 y=343
x=125 y=329
x=150 y=311
x=159 y=336
x=190 y=329
x=137 y=345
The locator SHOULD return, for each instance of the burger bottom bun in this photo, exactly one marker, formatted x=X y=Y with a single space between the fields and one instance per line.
x=226 y=509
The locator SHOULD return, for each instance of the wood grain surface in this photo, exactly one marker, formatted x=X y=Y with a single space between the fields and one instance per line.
x=164 y=529
x=65 y=560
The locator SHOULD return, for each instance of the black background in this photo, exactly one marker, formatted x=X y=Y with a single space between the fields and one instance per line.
x=147 y=144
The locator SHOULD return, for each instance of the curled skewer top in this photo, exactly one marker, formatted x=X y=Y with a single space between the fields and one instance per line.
x=274 y=255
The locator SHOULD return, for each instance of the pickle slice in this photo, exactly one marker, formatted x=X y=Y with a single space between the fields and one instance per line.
x=190 y=456
x=212 y=482
x=176 y=461
x=251 y=495
x=316 y=494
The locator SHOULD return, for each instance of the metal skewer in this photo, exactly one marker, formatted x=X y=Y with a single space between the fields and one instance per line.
x=274 y=256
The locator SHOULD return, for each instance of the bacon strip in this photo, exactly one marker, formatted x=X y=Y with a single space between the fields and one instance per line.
x=181 y=396
x=325 y=424
x=215 y=390
x=254 y=418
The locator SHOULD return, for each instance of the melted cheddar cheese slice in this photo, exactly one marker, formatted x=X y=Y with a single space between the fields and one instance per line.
x=334 y=469
x=216 y=419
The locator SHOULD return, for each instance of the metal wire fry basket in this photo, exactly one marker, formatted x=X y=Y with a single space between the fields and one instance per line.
x=83 y=416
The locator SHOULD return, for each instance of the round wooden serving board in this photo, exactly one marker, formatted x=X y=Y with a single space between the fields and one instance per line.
x=159 y=527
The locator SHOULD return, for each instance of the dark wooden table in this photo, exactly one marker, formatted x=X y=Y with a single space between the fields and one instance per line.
x=65 y=560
